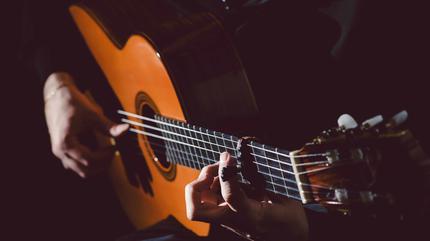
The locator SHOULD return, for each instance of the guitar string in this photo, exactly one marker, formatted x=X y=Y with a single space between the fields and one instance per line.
x=179 y=142
x=267 y=181
x=213 y=161
x=122 y=112
x=203 y=141
x=164 y=138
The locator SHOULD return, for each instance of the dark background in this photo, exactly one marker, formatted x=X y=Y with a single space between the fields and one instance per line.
x=387 y=53
x=39 y=199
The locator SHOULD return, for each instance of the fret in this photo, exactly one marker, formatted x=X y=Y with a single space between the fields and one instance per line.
x=195 y=139
x=205 y=145
x=282 y=173
x=172 y=145
x=173 y=128
x=181 y=142
x=224 y=144
x=287 y=173
x=175 y=145
x=190 y=159
x=262 y=165
x=211 y=140
x=193 y=146
x=219 y=140
x=167 y=150
x=276 y=171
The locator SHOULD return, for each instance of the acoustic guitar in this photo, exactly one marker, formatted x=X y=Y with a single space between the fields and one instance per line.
x=165 y=71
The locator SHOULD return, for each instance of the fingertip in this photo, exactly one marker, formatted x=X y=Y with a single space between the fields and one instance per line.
x=84 y=162
x=119 y=129
x=224 y=157
x=82 y=175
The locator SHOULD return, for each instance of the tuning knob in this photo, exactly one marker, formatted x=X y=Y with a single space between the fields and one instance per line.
x=398 y=119
x=369 y=123
x=346 y=121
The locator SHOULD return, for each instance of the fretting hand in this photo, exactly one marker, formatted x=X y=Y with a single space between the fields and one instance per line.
x=69 y=114
x=209 y=199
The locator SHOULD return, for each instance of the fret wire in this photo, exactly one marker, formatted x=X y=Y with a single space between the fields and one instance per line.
x=286 y=187
x=187 y=144
x=175 y=144
x=260 y=171
x=208 y=134
x=216 y=141
x=280 y=153
x=279 y=161
x=270 y=182
x=167 y=152
x=204 y=145
x=178 y=151
x=289 y=196
x=282 y=173
x=166 y=123
x=214 y=158
x=193 y=147
x=223 y=141
x=183 y=147
x=266 y=162
x=122 y=112
x=171 y=143
x=190 y=159
x=197 y=144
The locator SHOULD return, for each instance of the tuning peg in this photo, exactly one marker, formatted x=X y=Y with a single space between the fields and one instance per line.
x=398 y=119
x=346 y=121
x=369 y=123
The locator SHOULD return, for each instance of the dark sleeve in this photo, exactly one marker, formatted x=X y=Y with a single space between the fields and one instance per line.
x=51 y=42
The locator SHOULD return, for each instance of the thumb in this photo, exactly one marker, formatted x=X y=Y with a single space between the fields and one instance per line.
x=111 y=128
x=231 y=191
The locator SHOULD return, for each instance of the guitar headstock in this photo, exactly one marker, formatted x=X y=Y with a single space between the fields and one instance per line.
x=353 y=168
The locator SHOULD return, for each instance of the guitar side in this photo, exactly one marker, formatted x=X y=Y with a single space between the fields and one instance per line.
x=140 y=74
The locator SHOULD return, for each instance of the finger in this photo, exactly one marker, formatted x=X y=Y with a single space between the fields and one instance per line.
x=109 y=127
x=215 y=186
x=198 y=210
x=230 y=189
x=209 y=172
x=118 y=129
x=75 y=166
x=93 y=159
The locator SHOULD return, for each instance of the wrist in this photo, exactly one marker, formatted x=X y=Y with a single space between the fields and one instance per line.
x=55 y=82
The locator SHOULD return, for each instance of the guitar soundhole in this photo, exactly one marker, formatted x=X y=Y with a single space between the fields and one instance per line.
x=157 y=145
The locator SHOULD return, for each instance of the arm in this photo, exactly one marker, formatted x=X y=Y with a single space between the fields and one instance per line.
x=55 y=51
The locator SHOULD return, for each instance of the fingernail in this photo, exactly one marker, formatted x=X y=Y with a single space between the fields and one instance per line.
x=118 y=129
x=224 y=156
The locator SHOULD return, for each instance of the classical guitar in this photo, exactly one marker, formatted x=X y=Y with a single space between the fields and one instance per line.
x=165 y=70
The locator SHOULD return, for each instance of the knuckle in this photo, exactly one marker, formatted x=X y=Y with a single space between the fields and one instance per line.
x=205 y=169
x=56 y=150
x=189 y=188
x=192 y=214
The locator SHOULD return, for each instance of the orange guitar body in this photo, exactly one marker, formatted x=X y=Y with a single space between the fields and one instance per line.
x=135 y=69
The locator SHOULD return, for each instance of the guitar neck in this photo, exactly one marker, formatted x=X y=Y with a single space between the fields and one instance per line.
x=196 y=147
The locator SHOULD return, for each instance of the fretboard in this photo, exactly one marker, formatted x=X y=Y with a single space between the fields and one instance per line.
x=195 y=147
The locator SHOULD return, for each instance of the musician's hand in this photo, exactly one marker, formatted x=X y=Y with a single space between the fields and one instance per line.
x=69 y=114
x=210 y=200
